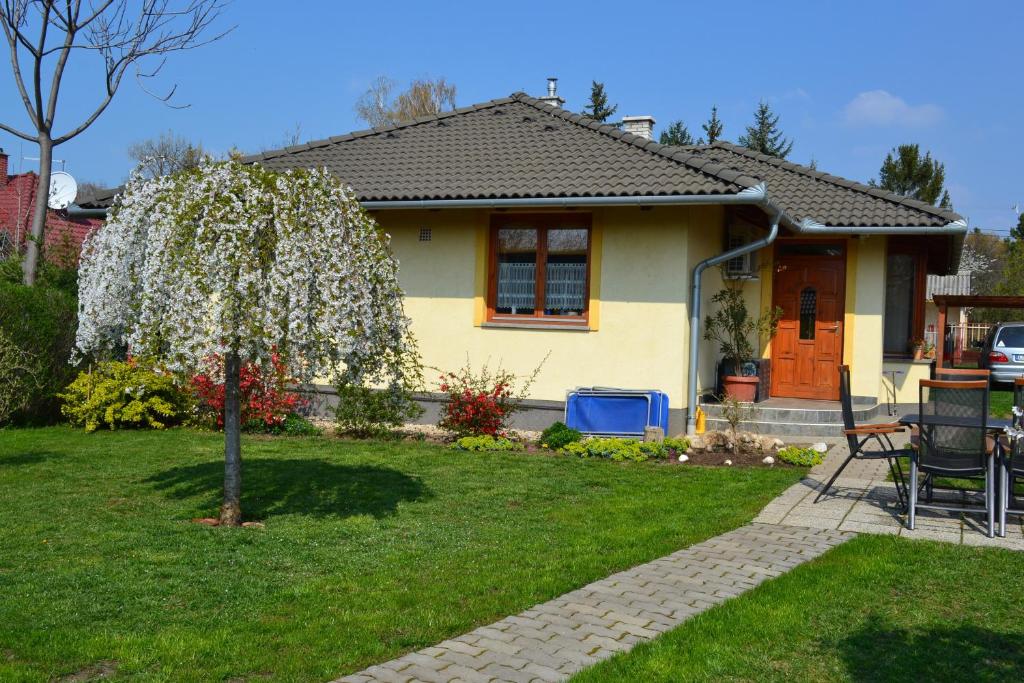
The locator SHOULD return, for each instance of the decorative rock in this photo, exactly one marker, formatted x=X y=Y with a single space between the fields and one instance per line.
x=683 y=458
x=821 y=446
x=654 y=434
x=778 y=443
x=768 y=460
x=728 y=462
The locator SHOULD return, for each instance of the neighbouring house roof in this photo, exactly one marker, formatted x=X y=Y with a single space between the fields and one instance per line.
x=520 y=147
x=956 y=285
x=100 y=199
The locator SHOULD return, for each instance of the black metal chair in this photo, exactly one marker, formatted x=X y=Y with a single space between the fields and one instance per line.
x=859 y=436
x=953 y=442
x=1012 y=465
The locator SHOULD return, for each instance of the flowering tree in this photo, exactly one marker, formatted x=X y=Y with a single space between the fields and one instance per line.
x=243 y=263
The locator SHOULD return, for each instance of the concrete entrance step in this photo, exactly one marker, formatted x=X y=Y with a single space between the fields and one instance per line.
x=792 y=417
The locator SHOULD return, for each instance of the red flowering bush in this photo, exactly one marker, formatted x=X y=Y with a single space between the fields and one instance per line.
x=266 y=402
x=481 y=403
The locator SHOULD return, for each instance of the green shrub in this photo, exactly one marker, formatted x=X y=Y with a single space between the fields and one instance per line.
x=118 y=394
x=805 y=457
x=679 y=444
x=364 y=412
x=558 y=435
x=17 y=377
x=616 y=449
x=486 y=442
x=41 y=322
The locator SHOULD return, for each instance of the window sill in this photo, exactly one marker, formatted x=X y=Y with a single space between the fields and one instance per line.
x=905 y=358
x=561 y=327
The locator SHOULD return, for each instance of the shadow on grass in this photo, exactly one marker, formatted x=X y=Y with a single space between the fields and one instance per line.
x=297 y=486
x=882 y=652
x=27 y=458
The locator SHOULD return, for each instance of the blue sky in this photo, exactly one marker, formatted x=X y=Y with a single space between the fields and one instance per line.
x=850 y=80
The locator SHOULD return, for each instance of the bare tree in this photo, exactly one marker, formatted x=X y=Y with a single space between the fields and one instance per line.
x=166 y=154
x=423 y=98
x=119 y=34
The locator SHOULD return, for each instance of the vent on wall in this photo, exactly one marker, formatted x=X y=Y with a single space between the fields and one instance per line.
x=425 y=234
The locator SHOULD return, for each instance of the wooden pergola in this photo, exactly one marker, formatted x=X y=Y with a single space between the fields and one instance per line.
x=944 y=301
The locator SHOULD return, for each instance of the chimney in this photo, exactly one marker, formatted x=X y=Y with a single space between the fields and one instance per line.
x=552 y=98
x=639 y=125
x=3 y=167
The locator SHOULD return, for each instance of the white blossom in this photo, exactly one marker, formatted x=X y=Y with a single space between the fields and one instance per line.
x=236 y=258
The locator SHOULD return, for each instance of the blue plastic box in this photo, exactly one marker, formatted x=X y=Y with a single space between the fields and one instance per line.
x=606 y=411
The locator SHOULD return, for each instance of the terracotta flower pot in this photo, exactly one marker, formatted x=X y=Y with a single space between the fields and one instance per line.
x=740 y=388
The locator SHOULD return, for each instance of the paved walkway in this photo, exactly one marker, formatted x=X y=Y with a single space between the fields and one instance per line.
x=553 y=640
x=863 y=501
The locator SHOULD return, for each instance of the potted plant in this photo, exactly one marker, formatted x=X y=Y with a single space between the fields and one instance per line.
x=732 y=326
x=917 y=347
x=929 y=350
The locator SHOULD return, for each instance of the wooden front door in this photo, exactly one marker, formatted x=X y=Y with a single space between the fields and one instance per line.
x=809 y=286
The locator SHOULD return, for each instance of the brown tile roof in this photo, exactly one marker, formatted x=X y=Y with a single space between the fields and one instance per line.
x=805 y=193
x=518 y=146
x=512 y=147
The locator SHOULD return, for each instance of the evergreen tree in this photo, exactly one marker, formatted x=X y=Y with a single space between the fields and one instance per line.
x=713 y=128
x=598 y=108
x=907 y=173
x=1017 y=232
x=676 y=134
x=764 y=136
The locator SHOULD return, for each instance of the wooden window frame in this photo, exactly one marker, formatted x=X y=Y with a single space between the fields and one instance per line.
x=541 y=222
x=911 y=248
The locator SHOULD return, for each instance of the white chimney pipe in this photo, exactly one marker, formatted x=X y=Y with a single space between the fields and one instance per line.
x=552 y=99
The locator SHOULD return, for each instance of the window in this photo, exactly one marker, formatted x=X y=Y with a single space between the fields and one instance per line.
x=808 y=312
x=540 y=268
x=904 y=299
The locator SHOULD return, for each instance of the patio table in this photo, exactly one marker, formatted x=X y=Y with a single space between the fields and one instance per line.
x=994 y=425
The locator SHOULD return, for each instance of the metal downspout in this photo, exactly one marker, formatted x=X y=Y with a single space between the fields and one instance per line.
x=691 y=408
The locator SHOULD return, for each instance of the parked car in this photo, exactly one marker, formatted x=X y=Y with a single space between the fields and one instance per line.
x=1002 y=352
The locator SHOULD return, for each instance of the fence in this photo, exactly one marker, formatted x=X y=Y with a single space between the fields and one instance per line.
x=961 y=341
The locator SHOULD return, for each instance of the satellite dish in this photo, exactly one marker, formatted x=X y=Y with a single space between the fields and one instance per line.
x=63 y=190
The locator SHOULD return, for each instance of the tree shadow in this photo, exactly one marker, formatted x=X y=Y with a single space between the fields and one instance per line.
x=879 y=652
x=297 y=486
x=27 y=458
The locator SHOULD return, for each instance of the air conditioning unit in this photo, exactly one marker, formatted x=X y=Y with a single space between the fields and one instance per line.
x=744 y=266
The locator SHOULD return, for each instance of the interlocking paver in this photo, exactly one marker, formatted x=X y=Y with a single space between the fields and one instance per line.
x=553 y=640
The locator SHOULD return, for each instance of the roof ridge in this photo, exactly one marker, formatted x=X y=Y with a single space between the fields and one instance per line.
x=367 y=132
x=839 y=181
x=674 y=153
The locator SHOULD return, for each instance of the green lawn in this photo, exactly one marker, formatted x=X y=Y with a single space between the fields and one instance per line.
x=370 y=549
x=1000 y=401
x=877 y=608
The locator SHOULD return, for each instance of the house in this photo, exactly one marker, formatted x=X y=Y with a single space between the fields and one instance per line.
x=17 y=201
x=525 y=230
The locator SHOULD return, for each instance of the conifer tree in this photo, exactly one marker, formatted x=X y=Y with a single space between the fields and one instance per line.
x=764 y=135
x=713 y=128
x=676 y=134
x=598 y=108
x=907 y=173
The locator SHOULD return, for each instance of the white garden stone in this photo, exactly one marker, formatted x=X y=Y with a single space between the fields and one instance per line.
x=821 y=446
x=683 y=457
x=768 y=460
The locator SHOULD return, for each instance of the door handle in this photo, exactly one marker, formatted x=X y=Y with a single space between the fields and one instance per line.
x=834 y=328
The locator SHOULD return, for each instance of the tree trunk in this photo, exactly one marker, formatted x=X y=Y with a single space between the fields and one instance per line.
x=34 y=244
x=231 y=510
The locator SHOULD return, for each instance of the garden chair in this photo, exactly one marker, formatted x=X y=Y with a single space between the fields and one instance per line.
x=953 y=442
x=1013 y=466
x=960 y=374
x=859 y=436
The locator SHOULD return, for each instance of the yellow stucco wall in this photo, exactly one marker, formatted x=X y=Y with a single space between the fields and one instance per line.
x=640 y=286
